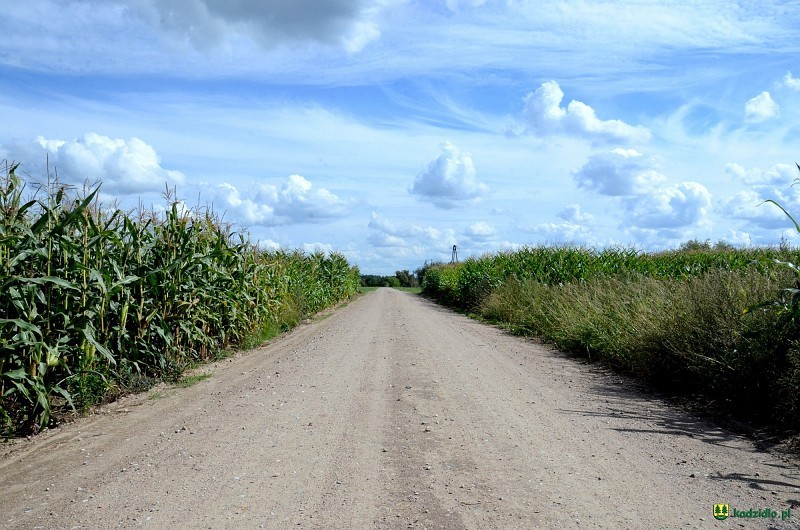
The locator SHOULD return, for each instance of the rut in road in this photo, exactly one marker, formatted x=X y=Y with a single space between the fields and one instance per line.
x=391 y=413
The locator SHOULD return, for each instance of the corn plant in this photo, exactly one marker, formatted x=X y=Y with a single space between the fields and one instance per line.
x=789 y=304
x=90 y=296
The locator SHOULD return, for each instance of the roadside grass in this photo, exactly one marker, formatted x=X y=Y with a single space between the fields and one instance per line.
x=702 y=328
x=257 y=338
x=190 y=380
x=156 y=394
x=413 y=290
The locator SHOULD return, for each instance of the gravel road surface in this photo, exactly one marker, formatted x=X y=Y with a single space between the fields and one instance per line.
x=393 y=412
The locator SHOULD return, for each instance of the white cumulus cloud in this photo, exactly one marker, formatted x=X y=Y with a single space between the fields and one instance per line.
x=268 y=245
x=545 y=115
x=574 y=214
x=618 y=173
x=573 y=229
x=749 y=206
x=313 y=248
x=252 y=210
x=480 y=231
x=386 y=233
x=791 y=82
x=379 y=239
x=760 y=108
x=552 y=233
x=682 y=205
x=295 y=201
x=773 y=180
x=773 y=183
x=649 y=206
x=449 y=180
x=123 y=166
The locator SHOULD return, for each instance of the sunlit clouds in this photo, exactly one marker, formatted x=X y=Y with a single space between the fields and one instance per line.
x=392 y=130
x=449 y=180
x=545 y=115
x=123 y=166
x=760 y=108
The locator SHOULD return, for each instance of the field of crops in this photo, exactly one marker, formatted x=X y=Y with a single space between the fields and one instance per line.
x=96 y=301
x=712 y=321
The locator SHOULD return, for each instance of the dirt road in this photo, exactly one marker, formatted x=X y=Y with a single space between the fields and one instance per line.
x=393 y=413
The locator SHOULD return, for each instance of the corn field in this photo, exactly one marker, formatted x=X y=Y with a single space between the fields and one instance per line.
x=465 y=285
x=710 y=321
x=92 y=299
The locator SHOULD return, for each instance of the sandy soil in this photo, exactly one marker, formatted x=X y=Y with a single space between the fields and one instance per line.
x=393 y=413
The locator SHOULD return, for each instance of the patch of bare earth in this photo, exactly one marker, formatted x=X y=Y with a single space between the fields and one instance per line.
x=393 y=413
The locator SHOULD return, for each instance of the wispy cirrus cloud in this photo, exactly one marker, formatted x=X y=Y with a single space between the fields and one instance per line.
x=148 y=36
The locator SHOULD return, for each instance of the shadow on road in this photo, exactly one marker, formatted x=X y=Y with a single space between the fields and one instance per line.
x=620 y=398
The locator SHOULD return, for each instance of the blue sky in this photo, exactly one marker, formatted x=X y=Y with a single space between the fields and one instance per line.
x=390 y=130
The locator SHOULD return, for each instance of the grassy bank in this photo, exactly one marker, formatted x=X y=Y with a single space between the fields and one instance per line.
x=686 y=321
x=94 y=301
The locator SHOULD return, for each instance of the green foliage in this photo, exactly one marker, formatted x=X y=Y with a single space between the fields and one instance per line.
x=788 y=306
x=421 y=271
x=190 y=380
x=676 y=318
x=406 y=279
x=91 y=299
x=400 y=279
x=414 y=290
x=373 y=280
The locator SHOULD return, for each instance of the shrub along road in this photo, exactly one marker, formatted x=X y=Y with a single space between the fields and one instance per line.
x=393 y=412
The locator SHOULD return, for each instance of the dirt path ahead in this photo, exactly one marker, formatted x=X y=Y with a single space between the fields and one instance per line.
x=393 y=413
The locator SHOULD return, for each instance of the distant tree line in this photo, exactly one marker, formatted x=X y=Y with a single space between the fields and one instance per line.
x=402 y=278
